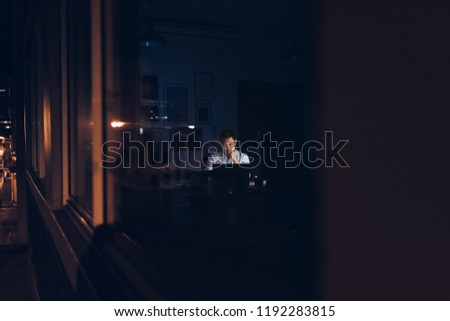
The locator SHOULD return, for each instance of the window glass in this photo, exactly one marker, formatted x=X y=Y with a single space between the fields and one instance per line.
x=32 y=108
x=80 y=109
x=36 y=104
x=230 y=232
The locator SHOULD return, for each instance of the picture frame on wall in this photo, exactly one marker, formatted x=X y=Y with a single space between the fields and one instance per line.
x=204 y=112
x=149 y=87
x=204 y=86
x=177 y=98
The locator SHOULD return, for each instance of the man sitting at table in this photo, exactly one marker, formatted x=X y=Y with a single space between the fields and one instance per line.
x=229 y=153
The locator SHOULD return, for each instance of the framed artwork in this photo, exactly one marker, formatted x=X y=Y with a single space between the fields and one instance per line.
x=204 y=86
x=149 y=87
x=177 y=102
x=204 y=112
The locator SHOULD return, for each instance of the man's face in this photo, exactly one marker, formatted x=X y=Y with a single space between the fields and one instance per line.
x=229 y=145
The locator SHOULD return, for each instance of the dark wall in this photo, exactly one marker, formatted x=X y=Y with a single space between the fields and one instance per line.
x=6 y=40
x=384 y=84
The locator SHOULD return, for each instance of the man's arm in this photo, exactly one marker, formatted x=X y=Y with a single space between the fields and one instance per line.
x=244 y=159
x=212 y=160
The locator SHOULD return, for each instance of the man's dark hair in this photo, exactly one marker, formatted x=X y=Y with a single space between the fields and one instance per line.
x=226 y=133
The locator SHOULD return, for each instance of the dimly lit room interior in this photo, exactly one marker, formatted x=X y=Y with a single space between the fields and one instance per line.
x=224 y=150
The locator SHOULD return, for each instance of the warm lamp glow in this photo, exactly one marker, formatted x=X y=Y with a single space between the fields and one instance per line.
x=117 y=124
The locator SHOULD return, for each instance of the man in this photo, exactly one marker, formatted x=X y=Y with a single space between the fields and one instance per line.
x=229 y=153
